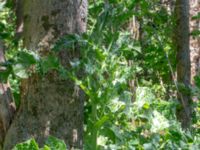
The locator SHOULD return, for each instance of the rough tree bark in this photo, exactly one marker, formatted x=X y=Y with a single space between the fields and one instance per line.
x=6 y=103
x=183 y=61
x=50 y=106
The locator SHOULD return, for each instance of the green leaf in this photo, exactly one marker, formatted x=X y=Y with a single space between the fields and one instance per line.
x=196 y=16
x=20 y=71
x=137 y=48
x=67 y=42
x=101 y=121
x=109 y=133
x=5 y=71
x=2 y=4
x=55 y=144
x=26 y=58
x=28 y=145
x=195 y=33
x=49 y=63
x=148 y=146
x=46 y=148
x=197 y=80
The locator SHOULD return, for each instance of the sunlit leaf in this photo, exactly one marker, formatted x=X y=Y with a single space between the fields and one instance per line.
x=28 y=145
x=55 y=144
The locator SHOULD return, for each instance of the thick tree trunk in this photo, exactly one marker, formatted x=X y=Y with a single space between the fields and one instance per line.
x=6 y=104
x=50 y=106
x=183 y=61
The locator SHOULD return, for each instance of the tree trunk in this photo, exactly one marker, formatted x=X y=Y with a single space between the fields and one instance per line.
x=133 y=28
x=6 y=104
x=50 y=106
x=183 y=61
x=194 y=41
x=18 y=6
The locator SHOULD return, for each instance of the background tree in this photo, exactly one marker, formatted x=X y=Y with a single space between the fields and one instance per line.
x=183 y=61
x=50 y=105
x=194 y=38
x=6 y=100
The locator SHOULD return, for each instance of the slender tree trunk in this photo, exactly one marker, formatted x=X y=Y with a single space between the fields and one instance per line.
x=183 y=61
x=50 y=106
x=194 y=41
x=18 y=6
x=6 y=104
x=133 y=27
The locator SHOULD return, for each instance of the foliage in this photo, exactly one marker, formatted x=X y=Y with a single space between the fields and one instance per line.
x=52 y=143
x=111 y=57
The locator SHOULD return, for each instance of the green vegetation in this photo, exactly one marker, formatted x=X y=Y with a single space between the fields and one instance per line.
x=111 y=57
x=52 y=143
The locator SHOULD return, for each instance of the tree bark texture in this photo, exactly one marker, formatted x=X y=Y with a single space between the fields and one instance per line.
x=133 y=28
x=6 y=103
x=183 y=60
x=18 y=6
x=194 y=41
x=50 y=105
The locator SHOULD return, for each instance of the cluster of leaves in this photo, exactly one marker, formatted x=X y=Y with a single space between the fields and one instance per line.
x=7 y=18
x=112 y=120
x=52 y=143
x=7 y=37
x=116 y=118
x=196 y=32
